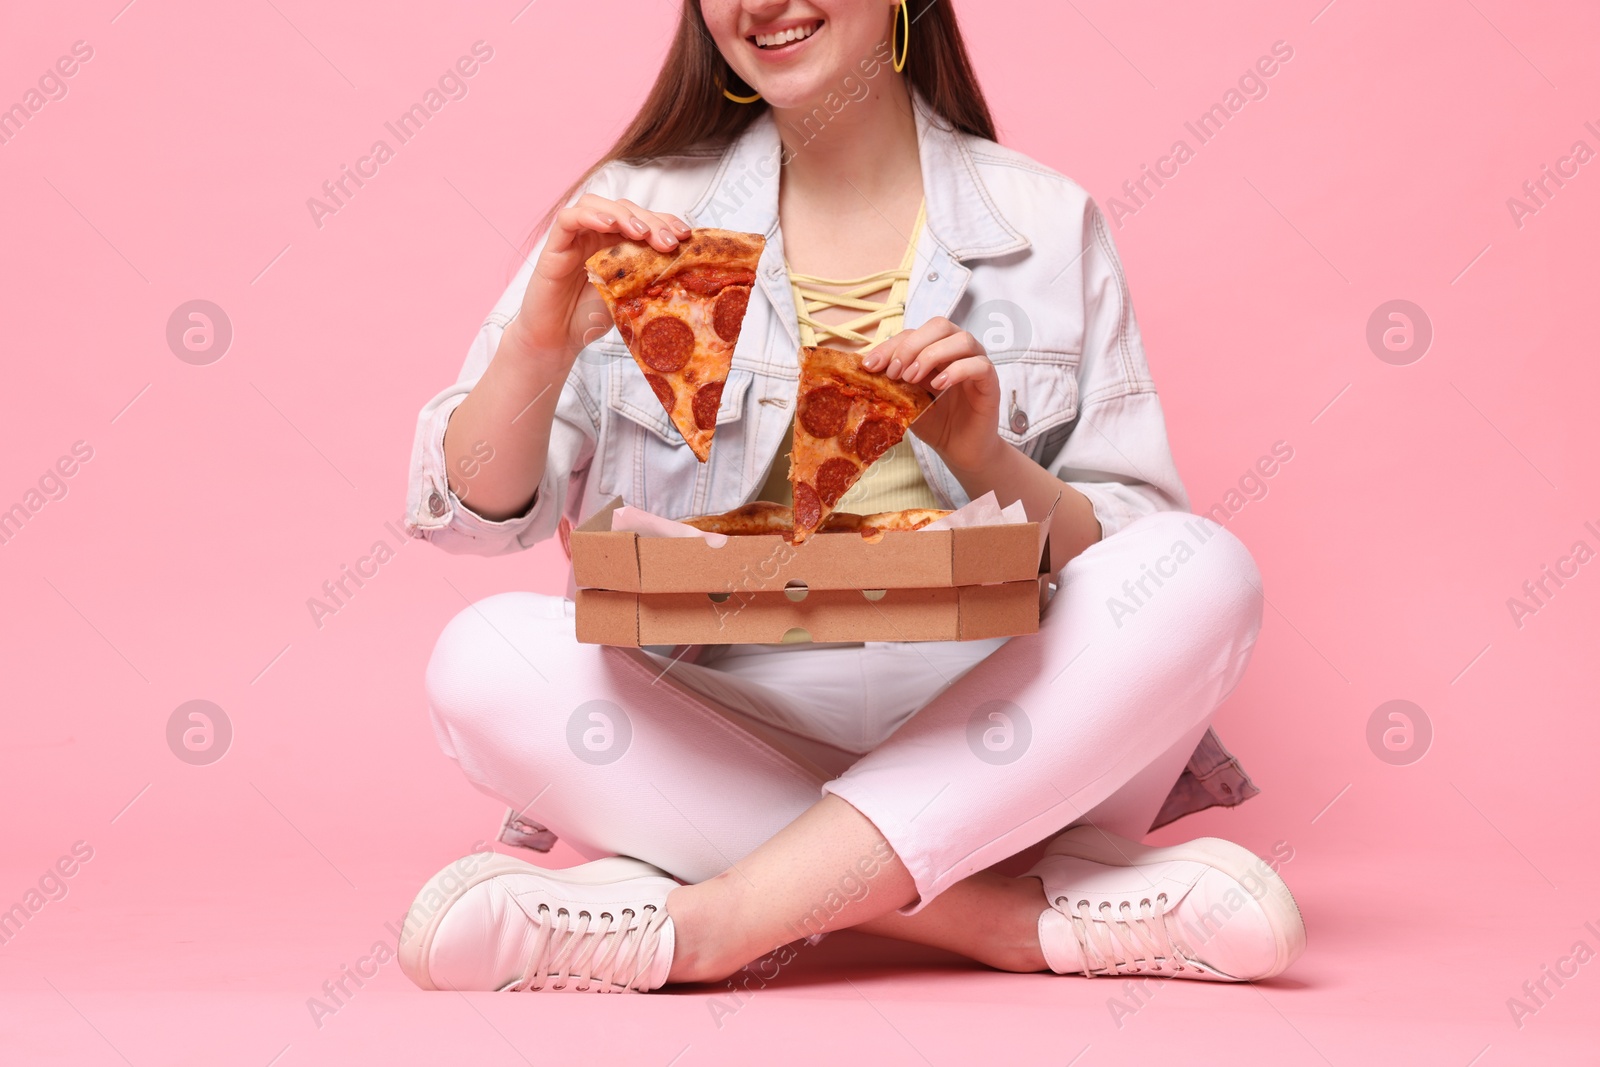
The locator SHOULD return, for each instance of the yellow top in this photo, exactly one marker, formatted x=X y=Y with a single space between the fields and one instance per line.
x=894 y=481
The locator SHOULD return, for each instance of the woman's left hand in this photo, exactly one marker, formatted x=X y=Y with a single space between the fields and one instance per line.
x=963 y=426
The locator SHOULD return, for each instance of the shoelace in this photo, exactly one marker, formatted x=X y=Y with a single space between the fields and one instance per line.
x=1120 y=942
x=615 y=956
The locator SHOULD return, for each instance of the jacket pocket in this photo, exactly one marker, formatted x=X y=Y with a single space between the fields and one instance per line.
x=644 y=459
x=1038 y=396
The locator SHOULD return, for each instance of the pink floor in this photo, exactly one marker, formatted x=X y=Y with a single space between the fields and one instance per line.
x=210 y=958
x=176 y=563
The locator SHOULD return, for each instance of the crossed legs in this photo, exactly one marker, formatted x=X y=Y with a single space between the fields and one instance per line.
x=1088 y=719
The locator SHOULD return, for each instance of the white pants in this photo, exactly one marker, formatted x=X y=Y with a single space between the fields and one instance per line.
x=961 y=753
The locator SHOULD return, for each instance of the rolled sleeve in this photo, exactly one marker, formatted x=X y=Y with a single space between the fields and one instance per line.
x=1117 y=454
x=435 y=513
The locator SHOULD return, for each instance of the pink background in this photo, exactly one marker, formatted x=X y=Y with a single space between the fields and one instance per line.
x=178 y=565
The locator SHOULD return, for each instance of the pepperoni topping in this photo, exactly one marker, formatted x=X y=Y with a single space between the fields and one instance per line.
x=823 y=411
x=807 y=508
x=666 y=343
x=624 y=328
x=727 y=313
x=663 y=390
x=702 y=281
x=706 y=402
x=874 y=437
x=709 y=281
x=834 y=477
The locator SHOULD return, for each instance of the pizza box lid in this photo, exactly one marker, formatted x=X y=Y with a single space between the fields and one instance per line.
x=625 y=561
x=951 y=613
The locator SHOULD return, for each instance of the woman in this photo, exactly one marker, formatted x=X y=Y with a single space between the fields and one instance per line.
x=749 y=796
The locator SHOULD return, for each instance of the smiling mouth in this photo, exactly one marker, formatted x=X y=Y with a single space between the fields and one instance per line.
x=772 y=41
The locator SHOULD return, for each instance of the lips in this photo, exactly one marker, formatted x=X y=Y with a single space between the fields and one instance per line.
x=787 y=36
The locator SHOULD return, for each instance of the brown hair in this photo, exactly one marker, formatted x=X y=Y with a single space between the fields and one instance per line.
x=686 y=107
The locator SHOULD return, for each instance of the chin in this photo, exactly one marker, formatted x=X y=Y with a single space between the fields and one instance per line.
x=795 y=92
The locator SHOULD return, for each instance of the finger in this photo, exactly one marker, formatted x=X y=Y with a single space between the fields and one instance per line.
x=621 y=215
x=629 y=219
x=648 y=226
x=878 y=358
x=977 y=371
x=902 y=343
x=585 y=217
x=936 y=355
x=635 y=220
x=906 y=345
x=571 y=223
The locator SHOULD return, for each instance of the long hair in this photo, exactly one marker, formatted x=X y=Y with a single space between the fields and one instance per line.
x=686 y=107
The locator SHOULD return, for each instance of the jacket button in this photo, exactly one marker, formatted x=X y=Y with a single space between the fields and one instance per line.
x=933 y=275
x=1019 y=421
x=436 y=504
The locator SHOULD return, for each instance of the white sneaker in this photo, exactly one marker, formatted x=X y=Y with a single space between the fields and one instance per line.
x=1206 y=909
x=491 y=922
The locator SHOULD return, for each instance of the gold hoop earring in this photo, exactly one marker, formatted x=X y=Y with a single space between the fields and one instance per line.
x=752 y=98
x=905 y=37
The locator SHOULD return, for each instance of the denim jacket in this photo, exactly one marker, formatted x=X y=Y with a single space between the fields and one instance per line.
x=1012 y=251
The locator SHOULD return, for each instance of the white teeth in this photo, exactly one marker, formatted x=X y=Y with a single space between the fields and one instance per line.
x=797 y=33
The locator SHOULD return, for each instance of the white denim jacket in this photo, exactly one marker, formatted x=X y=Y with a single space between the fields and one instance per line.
x=1012 y=251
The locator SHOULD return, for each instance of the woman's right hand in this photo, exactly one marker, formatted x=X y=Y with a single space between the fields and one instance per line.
x=560 y=311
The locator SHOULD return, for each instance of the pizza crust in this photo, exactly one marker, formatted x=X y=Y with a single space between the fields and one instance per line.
x=756 y=517
x=627 y=269
x=767 y=517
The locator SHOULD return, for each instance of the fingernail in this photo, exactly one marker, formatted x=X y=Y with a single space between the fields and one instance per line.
x=667 y=235
x=894 y=367
x=609 y=220
x=938 y=383
x=637 y=226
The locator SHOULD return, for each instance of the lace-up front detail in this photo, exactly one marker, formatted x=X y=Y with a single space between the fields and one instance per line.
x=605 y=952
x=1119 y=941
x=878 y=320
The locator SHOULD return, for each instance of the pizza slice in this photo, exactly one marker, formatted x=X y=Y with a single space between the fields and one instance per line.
x=680 y=314
x=767 y=517
x=888 y=521
x=756 y=517
x=845 y=418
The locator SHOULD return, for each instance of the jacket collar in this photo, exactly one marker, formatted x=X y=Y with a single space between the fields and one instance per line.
x=961 y=215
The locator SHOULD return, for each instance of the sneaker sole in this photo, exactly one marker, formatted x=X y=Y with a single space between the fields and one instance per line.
x=1283 y=914
x=417 y=944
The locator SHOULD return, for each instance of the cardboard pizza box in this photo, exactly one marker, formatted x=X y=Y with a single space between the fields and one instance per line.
x=621 y=560
x=947 y=613
x=941 y=585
